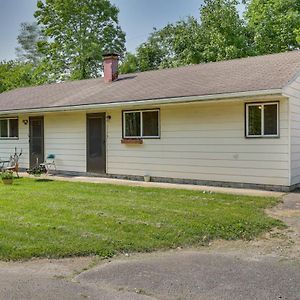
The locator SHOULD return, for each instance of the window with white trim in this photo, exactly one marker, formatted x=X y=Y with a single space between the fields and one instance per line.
x=262 y=119
x=9 y=128
x=141 y=124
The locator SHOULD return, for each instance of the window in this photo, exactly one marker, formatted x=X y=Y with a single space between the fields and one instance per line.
x=141 y=124
x=9 y=128
x=262 y=120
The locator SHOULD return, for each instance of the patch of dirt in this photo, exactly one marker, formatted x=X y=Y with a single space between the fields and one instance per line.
x=289 y=212
x=283 y=243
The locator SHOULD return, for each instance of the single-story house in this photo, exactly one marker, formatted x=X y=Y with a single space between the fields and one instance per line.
x=229 y=123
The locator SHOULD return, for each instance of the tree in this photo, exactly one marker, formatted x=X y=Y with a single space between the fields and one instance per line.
x=28 y=39
x=174 y=45
x=151 y=53
x=129 y=64
x=14 y=74
x=224 y=34
x=275 y=25
x=221 y=34
x=186 y=40
x=79 y=32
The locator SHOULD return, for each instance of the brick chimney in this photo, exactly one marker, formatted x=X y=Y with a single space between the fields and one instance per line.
x=110 y=66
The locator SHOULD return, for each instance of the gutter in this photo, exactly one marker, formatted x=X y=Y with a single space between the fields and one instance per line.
x=189 y=99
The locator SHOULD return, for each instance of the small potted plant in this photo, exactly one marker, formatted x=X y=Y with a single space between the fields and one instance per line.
x=7 y=177
x=147 y=178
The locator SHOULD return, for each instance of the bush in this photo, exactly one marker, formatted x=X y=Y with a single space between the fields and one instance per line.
x=7 y=175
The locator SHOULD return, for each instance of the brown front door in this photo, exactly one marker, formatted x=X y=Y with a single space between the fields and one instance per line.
x=96 y=143
x=36 y=141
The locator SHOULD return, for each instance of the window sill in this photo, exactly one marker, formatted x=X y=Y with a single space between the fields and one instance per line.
x=263 y=137
x=132 y=141
x=9 y=138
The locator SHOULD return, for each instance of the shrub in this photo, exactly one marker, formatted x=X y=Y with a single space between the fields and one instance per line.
x=7 y=175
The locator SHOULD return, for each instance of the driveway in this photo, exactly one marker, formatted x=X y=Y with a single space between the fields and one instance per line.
x=267 y=268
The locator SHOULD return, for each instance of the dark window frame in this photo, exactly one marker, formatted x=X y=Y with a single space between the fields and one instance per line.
x=262 y=135
x=7 y=119
x=141 y=124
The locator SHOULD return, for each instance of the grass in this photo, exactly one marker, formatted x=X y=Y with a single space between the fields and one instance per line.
x=60 y=219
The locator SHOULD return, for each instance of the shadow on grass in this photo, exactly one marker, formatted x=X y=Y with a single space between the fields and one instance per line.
x=35 y=179
x=43 y=180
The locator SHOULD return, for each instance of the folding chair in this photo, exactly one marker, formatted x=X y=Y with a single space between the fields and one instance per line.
x=49 y=163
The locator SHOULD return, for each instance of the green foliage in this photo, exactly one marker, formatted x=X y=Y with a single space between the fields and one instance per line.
x=270 y=26
x=15 y=74
x=129 y=64
x=186 y=40
x=29 y=38
x=79 y=33
x=32 y=66
x=174 y=45
x=6 y=175
x=71 y=37
x=42 y=218
x=224 y=35
x=151 y=53
x=274 y=24
x=220 y=35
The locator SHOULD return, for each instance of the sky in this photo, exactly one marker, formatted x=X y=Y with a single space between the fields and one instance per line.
x=137 y=18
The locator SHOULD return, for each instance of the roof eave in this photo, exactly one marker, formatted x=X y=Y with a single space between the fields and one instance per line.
x=188 y=99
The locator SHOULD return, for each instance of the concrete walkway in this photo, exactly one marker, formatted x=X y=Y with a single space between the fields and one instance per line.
x=223 y=190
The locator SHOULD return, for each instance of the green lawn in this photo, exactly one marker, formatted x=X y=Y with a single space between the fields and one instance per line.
x=60 y=219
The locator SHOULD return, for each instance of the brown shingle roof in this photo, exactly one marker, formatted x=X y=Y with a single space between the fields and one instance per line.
x=239 y=75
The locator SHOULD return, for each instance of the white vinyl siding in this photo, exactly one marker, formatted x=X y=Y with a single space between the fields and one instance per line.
x=293 y=91
x=7 y=146
x=65 y=136
x=204 y=141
